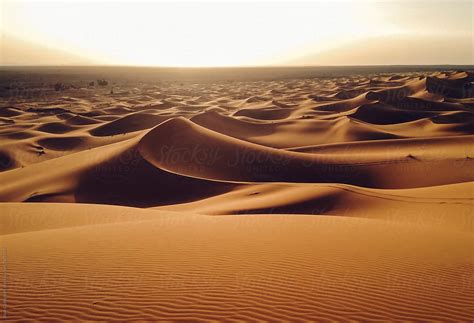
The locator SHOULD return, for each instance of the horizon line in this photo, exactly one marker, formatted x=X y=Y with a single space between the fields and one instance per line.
x=234 y=67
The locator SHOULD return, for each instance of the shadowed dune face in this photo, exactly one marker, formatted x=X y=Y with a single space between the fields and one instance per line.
x=198 y=152
x=323 y=198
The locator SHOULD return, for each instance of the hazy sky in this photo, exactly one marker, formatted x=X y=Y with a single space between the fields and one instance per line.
x=225 y=33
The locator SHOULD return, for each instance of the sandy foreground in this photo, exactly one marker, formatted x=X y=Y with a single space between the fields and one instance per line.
x=329 y=198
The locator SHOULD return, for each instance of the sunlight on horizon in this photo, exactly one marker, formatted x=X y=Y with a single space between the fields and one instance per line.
x=200 y=34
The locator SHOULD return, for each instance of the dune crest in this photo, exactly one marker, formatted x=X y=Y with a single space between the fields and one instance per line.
x=182 y=147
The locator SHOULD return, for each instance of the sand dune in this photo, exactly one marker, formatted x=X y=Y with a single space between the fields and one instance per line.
x=449 y=206
x=258 y=197
x=182 y=155
x=188 y=267
x=129 y=123
x=184 y=144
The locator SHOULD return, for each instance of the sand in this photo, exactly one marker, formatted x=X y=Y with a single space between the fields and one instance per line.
x=282 y=198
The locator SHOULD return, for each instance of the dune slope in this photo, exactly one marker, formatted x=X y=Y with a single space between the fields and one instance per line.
x=191 y=267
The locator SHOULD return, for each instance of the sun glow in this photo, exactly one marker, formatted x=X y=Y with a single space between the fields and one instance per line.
x=189 y=34
x=218 y=33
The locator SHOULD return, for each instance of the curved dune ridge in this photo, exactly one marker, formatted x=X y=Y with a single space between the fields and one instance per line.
x=182 y=147
x=333 y=198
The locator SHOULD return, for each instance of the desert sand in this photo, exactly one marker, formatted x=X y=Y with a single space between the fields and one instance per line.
x=344 y=196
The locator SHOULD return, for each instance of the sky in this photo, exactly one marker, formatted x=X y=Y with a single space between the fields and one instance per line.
x=236 y=33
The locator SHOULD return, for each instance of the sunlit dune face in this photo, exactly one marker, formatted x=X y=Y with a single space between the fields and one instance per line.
x=200 y=33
